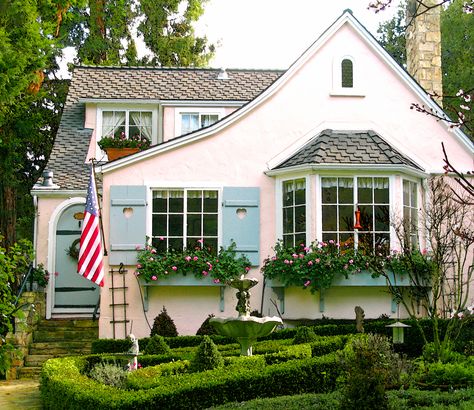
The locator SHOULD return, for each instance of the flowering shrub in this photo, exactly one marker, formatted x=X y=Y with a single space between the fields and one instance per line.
x=313 y=266
x=120 y=140
x=199 y=261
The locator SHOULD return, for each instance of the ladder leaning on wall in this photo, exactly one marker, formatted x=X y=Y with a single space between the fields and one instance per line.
x=119 y=301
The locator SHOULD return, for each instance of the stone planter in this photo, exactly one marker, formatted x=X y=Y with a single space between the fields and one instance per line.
x=116 y=153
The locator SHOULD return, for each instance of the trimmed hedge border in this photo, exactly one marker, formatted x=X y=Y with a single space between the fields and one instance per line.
x=64 y=387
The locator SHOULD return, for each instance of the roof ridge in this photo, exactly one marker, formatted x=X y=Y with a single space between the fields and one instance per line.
x=157 y=68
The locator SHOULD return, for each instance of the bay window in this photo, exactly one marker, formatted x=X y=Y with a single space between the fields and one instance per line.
x=342 y=196
x=410 y=212
x=182 y=217
x=294 y=212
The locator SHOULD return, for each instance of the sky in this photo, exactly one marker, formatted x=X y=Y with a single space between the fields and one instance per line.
x=268 y=34
x=274 y=33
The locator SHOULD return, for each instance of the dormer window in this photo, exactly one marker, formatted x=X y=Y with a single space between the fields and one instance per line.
x=189 y=119
x=347 y=73
x=131 y=123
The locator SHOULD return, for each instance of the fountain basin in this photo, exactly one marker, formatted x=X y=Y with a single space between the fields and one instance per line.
x=245 y=329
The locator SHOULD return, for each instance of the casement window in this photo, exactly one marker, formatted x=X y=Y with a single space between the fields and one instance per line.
x=189 y=119
x=342 y=196
x=410 y=211
x=129 y=122
x=294 y=212
x=182 y=217
x=347 y=73
x=194 y=121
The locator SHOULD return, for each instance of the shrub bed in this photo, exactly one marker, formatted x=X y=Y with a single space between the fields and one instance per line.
x=63 y=386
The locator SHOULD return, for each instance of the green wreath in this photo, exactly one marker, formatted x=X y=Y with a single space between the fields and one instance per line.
x=73 y=250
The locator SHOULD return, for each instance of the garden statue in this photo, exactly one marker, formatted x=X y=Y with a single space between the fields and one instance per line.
x=359 y=319
x=133 y=352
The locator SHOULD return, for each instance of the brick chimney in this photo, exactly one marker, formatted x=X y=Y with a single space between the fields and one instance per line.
x=423 y=43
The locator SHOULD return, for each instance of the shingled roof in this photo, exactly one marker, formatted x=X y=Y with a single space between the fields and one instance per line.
x=122 y=83
x=348 y=147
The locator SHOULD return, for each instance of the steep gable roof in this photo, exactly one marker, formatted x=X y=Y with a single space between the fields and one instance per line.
x=347 y=147
x=345 y=18
x=115 y=83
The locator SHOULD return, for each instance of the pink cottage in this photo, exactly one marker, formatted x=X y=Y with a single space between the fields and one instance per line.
x=244 y=156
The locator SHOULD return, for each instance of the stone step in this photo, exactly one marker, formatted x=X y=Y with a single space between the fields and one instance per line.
x=60 y=348
x=62 y=334
x=68 y=324
x=32 y=372
x=33 y=360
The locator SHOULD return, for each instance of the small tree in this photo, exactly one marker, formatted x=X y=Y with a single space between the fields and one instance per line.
x=441 y=274
x=206 y=328
x=157 y=345
x=163 y=325
x=304 y=334
x=207 y=356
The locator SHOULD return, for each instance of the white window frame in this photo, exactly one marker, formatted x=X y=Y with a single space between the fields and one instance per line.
x=189 y=187
x=416 y=208
x=355 y=175
x=153 y=108
x=179 y=111
x=357 y=89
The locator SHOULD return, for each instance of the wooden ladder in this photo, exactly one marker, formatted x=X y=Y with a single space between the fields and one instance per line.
x=119 y=308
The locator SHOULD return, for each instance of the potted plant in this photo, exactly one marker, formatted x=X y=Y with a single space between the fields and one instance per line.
x=119 y=145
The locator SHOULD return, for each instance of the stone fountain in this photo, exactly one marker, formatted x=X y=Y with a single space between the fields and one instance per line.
x=245 y=328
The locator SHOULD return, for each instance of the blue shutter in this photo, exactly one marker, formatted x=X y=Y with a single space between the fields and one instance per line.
x=127 y=233
x=241 y=221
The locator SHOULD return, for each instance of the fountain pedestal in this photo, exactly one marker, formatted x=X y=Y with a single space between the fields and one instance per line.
x=245 y=328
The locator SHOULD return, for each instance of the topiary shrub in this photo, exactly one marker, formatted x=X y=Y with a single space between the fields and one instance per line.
x=163 y=325
x=207 y=356
x=304 y=334
x=206 y=328
x=157 y=345
x=109 y=374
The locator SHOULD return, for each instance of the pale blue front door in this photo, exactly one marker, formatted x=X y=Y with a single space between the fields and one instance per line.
x=72 y=292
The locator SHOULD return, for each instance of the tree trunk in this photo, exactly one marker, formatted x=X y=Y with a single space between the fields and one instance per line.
x=8 y=214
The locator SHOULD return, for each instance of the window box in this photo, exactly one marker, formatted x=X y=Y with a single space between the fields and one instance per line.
x=116 y=153
x=182 y=280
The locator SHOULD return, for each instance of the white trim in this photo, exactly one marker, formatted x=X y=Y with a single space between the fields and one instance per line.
x=345 y=18
x=52 y=226
x=66 y=193
x=200 y=103
x=357 y=89
x=344 y=168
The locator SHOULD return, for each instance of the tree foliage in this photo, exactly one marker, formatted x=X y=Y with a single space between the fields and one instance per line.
x=104 y=31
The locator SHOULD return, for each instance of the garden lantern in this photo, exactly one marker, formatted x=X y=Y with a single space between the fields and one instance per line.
x=357 y=219
x=398 y=332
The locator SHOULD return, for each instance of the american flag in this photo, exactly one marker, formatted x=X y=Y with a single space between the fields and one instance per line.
x=90 y=263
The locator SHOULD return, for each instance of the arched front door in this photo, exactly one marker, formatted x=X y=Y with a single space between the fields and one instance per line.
x=73 y=294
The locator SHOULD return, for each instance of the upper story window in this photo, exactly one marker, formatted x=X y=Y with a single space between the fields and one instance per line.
x=347 y=73
x=341 y=196
x=191 y=119
x=131 y=123
x=410 y=212
x=294 y=212
x=182 y=217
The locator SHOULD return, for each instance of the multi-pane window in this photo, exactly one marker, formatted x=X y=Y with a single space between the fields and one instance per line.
x=342 y=196
x=128 y=123
x=294 y=212
x=194 y=121
x=182 y=217
x=347 y=73
x=410 y=211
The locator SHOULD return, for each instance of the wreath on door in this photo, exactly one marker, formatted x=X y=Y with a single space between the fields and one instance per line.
x=73 y=250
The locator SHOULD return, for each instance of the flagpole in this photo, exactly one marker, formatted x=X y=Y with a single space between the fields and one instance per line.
x=100 y=209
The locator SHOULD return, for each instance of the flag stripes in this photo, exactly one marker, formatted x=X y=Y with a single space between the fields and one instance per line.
x=90 y=264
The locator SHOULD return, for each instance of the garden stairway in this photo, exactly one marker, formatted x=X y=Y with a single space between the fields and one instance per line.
x=57 y=338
